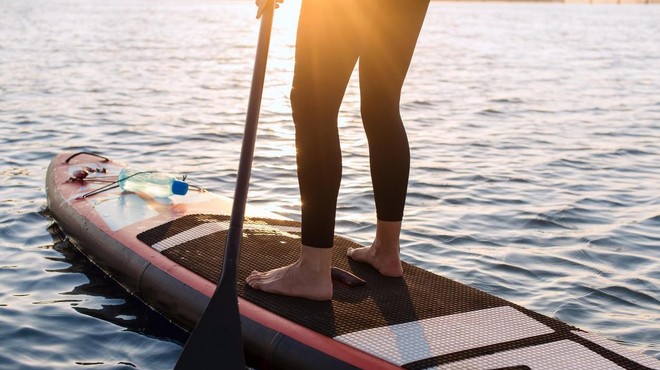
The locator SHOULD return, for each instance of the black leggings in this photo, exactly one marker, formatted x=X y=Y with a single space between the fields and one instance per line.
x=332 y=36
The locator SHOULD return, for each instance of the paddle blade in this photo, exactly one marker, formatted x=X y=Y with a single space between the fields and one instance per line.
x=218 y=332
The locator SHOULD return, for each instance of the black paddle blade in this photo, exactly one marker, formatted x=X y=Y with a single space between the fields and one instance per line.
x=217 y=332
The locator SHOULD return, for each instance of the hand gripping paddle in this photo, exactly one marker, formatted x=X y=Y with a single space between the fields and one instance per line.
x=216 y=342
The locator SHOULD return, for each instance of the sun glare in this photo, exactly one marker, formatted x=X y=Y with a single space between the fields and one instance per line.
x=285 y=22
x=281 y=56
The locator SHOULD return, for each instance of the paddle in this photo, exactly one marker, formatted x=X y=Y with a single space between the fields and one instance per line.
x=216 y=342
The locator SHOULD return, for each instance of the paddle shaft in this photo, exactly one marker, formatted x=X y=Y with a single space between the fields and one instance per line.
x=216 y=342
x=235 y=232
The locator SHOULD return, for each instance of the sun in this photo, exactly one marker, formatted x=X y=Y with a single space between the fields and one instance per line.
x=285 y=22
x=281 y=57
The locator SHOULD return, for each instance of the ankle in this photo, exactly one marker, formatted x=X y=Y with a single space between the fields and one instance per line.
x=386 y=242
x=388 y=231
x=316 y=261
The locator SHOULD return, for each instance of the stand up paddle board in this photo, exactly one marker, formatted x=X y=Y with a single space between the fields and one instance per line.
x=169 y=252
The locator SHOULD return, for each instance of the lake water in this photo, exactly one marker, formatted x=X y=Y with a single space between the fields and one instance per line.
x=535 y=134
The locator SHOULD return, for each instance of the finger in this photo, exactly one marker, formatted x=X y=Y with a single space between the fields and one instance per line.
x=262 y=7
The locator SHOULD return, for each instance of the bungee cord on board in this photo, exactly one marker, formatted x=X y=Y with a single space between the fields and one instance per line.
x=113 y=182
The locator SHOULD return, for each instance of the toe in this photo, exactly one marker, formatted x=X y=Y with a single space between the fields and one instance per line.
x=253 y=277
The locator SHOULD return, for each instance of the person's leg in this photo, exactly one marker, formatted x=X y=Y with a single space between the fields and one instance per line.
x=325 y=58
x=384 y=62
x=326 y=54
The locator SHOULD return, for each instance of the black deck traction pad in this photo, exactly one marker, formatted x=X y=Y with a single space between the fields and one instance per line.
x=382 y=301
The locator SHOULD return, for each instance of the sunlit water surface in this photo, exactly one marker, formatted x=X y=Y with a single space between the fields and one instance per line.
x=535 y=134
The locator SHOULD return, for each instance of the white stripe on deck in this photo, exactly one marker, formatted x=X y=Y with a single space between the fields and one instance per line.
x=613 y=346
x=560 y=355
x=412 y=341
x=209 y=228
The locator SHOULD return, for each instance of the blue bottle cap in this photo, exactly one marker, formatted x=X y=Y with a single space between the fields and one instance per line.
x=179 y=187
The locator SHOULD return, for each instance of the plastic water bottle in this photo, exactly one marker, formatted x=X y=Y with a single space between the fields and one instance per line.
x=156 y=184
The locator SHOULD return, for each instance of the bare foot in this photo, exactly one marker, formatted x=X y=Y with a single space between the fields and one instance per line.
x=388 y=265
x=383 y=255
x=309 y=277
